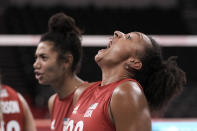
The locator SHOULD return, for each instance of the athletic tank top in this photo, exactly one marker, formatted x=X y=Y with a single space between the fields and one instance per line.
x=12 y=110
x=59 y=111
x=91 y=110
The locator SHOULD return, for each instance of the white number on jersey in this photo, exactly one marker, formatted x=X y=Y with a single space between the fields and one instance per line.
x=70 y=125
x=11 y=126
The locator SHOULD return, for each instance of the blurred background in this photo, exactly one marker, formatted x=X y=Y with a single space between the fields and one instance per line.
x=98 y=17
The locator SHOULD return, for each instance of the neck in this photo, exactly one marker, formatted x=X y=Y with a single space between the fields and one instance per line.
x=114 y=74
x=67 y=86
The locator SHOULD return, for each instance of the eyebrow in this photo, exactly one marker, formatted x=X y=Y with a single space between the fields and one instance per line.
x=136 y=33
x=139 y=34
x=127 y=36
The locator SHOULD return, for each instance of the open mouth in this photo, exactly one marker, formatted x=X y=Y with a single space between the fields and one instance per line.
x=109 y=44
x=38 y=75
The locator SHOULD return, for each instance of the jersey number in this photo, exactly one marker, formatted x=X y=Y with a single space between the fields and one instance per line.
x=11 y=126
x=70 y=126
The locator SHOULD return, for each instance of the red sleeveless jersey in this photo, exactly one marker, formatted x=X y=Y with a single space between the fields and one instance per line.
x=59 y=111
x=12 y=109
x=90 y=112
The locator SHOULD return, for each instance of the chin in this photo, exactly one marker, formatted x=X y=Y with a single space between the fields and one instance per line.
x=42 y=82
x=97 y=59
x=99 y=55
x=99 y=62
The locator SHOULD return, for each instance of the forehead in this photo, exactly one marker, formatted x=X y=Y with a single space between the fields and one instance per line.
x=44 y=46
x=138 y=36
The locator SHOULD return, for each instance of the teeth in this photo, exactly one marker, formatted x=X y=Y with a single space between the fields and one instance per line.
x=37 y=73
x=109 y=45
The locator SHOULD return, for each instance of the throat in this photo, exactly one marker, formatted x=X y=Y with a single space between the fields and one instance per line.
x=113 y=76
x=68 y=86
x=64 y=93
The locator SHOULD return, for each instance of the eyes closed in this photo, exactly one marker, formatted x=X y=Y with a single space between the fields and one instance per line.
x=120 y=35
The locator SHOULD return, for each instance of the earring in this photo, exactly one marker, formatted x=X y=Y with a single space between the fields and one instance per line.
x=127 y=67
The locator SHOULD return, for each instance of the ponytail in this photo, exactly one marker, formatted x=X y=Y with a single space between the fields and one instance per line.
x=160 y=79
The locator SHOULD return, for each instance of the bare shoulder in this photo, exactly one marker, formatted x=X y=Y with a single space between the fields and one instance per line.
x=24 y=102
x=80 y=90
x=129 y=93
x=129 y=108
x=50 y=102
x=51 y=98
x=29 y=124
x=22 y=99
x=128 y=89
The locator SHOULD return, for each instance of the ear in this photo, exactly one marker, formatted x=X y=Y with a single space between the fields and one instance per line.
x=68 y=59
x=134 y=63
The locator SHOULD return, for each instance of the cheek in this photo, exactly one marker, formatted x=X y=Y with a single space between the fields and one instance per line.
x=116 y=52
x=121 y=54
x=50 y=70
x=54 y=73
x=53 y=69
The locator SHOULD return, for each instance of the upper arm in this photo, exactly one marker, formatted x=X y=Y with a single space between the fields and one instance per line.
x=129 y=108
x=29 y=124
x=50 y=103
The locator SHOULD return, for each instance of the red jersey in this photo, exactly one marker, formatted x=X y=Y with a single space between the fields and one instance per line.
x=91 y=110
x=12 y=109
x=59 y=111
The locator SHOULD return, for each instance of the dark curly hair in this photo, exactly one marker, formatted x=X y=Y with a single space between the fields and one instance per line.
x=161 y=79
x=66 y=37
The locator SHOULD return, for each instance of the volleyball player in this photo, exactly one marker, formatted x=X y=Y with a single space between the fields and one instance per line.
x=16 y=114
x=58 y=56
x=136 y=82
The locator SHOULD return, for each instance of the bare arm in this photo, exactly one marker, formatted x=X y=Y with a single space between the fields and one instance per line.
x=50 y=103
x=29 y=124
x=129 y=109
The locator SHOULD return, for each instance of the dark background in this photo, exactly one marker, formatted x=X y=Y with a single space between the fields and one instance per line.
x=25 y=17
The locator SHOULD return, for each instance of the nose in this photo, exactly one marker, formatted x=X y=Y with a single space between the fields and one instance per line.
x=36 y=64
x=118 y=34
